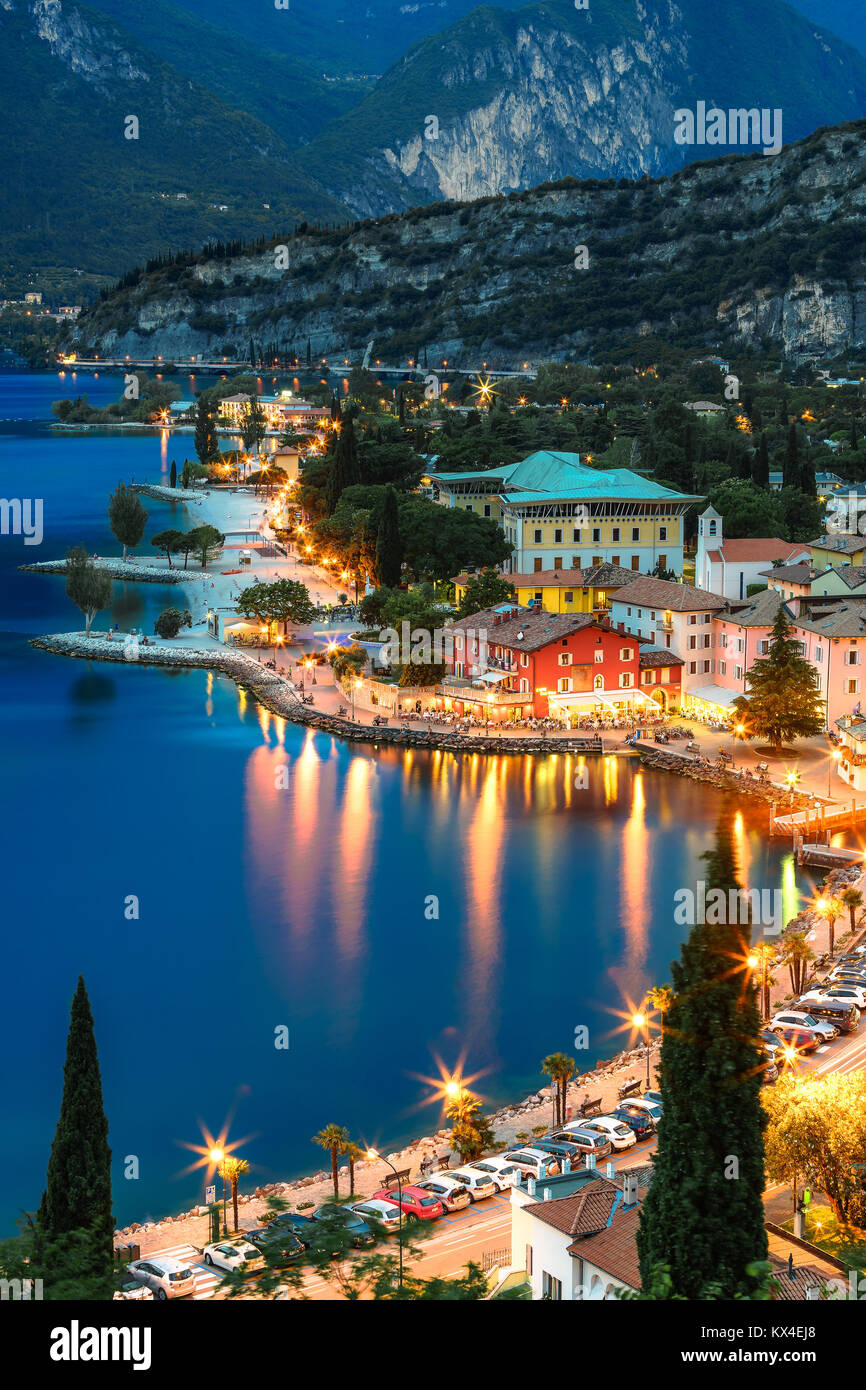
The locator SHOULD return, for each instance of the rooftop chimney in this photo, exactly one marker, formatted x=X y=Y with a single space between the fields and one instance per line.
x=589 y=1161
x=609 y=1169
x=629 y=1189
x=530 y=1186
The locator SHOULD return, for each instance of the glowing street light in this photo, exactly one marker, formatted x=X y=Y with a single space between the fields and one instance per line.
x=641 y=1022
x=374 y=1154
x=834 y=760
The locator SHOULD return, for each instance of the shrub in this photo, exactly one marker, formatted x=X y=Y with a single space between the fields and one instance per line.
x=169 y=623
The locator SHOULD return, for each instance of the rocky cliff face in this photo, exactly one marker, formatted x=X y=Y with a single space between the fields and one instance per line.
x=756 y=250
x=504 y=101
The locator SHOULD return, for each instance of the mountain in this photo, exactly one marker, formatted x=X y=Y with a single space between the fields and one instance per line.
x=339 y=36
x=549 y=91
x=287 y=93
x=76 y=194
x=743 y=252
x=845 y=18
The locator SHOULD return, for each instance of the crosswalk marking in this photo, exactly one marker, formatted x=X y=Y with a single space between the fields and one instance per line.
x=206 y=1278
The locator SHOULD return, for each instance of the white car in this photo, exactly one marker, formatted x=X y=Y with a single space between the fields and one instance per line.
x=453 y=1194
x=478 y=1185
x=651 y=1107
x=797 y=1019
x=386 y=1213
x=620 y=1136
x=498 y=1170
x=843 y=994
x=232 y=1254
x=535 y=1163
x=164 y=1276
x=130 y=1289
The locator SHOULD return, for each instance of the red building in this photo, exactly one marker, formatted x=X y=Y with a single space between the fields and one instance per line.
x=568 y=665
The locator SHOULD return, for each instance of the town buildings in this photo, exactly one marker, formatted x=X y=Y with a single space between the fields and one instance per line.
x=563 y=591
x=280 y=412
x=676 y=617
x=729 y=566
x=560 y=514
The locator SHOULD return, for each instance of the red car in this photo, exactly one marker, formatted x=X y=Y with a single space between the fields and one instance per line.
x=414 y=1201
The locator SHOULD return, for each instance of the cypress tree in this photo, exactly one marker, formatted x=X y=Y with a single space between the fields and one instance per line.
x=77 y=1194
x=791 y=465
x=206 y=442
x=761 y=463
x=389 y=546
x=309 y=353
x=854 y=433
x=172 y=477
x=703 y=1218
x=335 y=407
x=345 y=469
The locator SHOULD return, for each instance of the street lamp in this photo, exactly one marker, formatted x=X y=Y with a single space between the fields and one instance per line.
x=737 y=732
x=218 y=1157
x=356 y=685
x=641 y=1021
x=373 y=1153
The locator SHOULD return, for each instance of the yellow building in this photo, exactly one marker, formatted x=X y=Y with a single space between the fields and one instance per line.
x=562 y=591
x=838 y=548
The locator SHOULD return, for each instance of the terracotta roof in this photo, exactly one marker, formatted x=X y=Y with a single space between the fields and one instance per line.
x=851 y=575
x=659 y=656
x=528 y=630
x=614 y=1250
x=796 y=574
x=583 y=1212
x=662 y=593
x=748 y=549
x=845 y=619
x=604 y=576
x=758 y=611
x=806 y=1276
x=842 y=542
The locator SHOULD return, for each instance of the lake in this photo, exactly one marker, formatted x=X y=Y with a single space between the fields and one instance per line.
x=400 y=913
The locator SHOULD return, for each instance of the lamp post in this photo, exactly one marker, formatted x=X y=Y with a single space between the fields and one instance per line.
x=373 y=1153
x=642 y=1021
x=737 y=732
x=835 y=758
x=218 y=1157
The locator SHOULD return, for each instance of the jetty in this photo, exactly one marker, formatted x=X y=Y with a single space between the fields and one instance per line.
x=123 y=569
x=166 y=494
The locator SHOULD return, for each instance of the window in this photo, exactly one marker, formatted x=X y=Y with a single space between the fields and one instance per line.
x=537 y=596
x=564 y=659
x=614 y=559
x=596 y=533
x=706 y=640
x=576 y=536
x=599 y=656
x=614 y=535
x=738 y=673
x=693 y=666
x=723 y=639
x=693 y=642
x=486 y=508
x=723 y=667
x=648 y=677
x=536 y=564
x=635 y=533
x=575 y=562
x=854 y=687
x=707 y=618
x=598 y=682
x=693 y=618
x=706 y=667
x=524 y=686
x=557 y=537
x=551 y=1288
x=763 y=647
x=598 y=559
x=469 y=507
x=537 y=537
x=524 y=659
x=568 y=596
x=667 y=639
x=458 y=641
x=635 y=562
x=563 y=685
x=557 y=562
x=663 y=535
x=712 y=528
x=852 y=657
x=625 y=653
x=663 y=562
x=819 y=653
x=625 y=680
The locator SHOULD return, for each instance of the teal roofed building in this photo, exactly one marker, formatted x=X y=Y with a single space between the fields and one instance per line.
x=558 y=513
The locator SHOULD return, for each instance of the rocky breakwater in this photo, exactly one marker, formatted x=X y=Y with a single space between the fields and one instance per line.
x=167 y=494
x=278 y=695
x=120 y=569
x=724 y=778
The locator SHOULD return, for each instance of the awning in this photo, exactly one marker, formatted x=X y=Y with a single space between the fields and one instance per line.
x=492 y=677
x=585 y=697
x=713 y=695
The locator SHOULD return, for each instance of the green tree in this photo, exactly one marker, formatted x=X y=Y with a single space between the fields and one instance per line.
x=761 y=463
x=283 y=601
x=389 y=546
x=167 y=542
x=169 y=623
x=560 y=1068
x=172 y=477
x=205 y=542
x=471 y=1132
x=88 y=587
x=783 y=690
x=334 y=1138
x=703 y=1218
x=796 y=953
x=747 y=510
x=231 y=1170
x=77 y=1194
x=253 y=426
x=484 y=590
x=852 y=898
x=206 y=441
x=126 y=516
x=344 y=469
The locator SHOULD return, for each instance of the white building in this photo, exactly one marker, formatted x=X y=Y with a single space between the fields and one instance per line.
x=729 y=567
x=676 y=616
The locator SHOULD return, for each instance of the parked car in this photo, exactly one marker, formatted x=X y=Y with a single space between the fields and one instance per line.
x=480 y=1186
x=500 y=1172
x=841 y=1014
x=232 y=1254
x=827 y=1031
x=165 y=1277
x=355 y=1226
x=772 y=1043
x=281 y=1247
x=417 y=1204
x=771 y=1073
x=638 y=1105
x=636 y=1120
x=799 y=1040
x=292 y=1221
x=453 y=1195
x=128 y=1289
x=654 y=1096
x=386 y=1213
x=621 y=1135
x=534 y=1163
x=855 y=973
x=854 y=994
x=560 y=1148
x=589 y=1141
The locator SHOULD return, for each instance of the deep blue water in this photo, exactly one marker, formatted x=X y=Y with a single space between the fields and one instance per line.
x=302 y=907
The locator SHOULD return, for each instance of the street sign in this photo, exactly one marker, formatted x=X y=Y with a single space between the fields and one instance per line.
x=209 y=1195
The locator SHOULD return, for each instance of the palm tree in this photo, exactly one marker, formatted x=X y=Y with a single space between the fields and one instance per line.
x=560 y=1068
x=765 y=956
x=230 y=1170
x=831 y=908
x=852 y=899
x=660 y=998
x=353 y=1152
x=335 y=1138
x=796 y=953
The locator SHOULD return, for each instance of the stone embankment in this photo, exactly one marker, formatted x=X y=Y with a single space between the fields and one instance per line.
x=121 y=569
x=723 y=778
x=167 y=494
x=277 y=695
